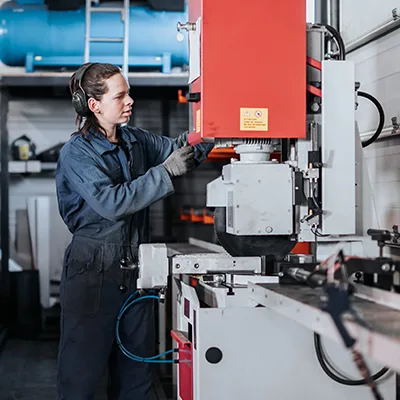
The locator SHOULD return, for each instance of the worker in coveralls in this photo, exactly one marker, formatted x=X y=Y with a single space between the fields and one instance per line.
x=106 y=178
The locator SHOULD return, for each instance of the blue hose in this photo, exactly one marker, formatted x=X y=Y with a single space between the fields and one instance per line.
x=127 y=304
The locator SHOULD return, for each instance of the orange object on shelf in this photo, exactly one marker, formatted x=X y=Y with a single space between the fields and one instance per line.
x=208 y=216
x=181 y=97
x=196 y=214
x=184 y=214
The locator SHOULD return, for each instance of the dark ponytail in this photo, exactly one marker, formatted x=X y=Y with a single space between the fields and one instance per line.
x=94 y=85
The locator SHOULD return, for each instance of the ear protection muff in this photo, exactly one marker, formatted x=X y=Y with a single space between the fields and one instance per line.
x=79 y=97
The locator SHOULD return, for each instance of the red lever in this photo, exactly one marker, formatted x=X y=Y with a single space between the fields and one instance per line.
x=194 y=138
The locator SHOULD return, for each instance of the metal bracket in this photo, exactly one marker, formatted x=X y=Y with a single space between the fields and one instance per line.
x=214 y=263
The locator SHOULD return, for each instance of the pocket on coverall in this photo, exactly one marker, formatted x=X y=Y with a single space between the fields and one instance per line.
x=83 y=278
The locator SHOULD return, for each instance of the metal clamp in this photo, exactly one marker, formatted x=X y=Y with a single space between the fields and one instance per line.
x=127 y=263
x=395 y=125
x=312 y=173
x=189 y=26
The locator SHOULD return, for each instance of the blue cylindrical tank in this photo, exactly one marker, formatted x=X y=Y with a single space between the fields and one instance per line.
x=60 y=35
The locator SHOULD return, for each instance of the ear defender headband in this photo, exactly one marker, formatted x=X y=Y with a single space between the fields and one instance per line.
x=79 y=97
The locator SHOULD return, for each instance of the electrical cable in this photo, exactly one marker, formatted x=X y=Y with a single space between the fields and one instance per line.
x=314 y=200
x=314 y=230
x=321 y=356
x=330 y=364
x=129 y=302
x=378 y=105
x=342 y=51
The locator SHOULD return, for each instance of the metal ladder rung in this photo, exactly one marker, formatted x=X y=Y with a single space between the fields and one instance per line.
x=114 y=40
x=125 y=13
x=106 y=9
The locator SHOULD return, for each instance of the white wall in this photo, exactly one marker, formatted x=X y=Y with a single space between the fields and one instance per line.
x=310 y=11
x=46 y=121
x=378 y=70
x=360 y=16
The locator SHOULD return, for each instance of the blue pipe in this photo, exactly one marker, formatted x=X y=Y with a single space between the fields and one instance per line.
x=31 y=36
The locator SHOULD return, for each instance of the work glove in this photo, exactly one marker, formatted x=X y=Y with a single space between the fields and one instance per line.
x=180 y=161
x=182 y=139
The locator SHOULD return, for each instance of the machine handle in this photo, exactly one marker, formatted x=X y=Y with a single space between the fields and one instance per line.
x=194 y=138
x=379 y=234
x=336 y=302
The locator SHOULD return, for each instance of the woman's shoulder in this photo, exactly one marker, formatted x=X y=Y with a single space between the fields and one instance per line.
x=75 y=144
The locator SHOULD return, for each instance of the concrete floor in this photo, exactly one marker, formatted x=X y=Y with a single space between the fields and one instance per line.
x=28 y=371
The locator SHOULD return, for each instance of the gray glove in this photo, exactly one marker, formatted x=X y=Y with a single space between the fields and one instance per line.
x=180 y=161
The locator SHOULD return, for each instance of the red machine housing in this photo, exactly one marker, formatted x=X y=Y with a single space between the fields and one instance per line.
x=252 y=81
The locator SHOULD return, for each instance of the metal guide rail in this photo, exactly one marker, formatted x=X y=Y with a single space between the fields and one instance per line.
x=379 y=339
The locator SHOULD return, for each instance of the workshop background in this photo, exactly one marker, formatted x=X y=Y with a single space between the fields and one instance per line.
x=38 y=237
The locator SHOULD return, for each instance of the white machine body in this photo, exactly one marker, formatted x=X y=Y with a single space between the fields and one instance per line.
x=264 y=354
x=153 y=266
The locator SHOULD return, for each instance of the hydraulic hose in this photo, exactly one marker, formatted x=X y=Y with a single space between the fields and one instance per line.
x=379 y=107
x=342 y=55
x=341 y=379
x=133 y=299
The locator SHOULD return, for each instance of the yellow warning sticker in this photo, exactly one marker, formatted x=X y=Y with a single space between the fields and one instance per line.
x=253 y=119
x=198 y=121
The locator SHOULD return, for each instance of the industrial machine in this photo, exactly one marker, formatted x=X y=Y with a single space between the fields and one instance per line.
x=252 y=319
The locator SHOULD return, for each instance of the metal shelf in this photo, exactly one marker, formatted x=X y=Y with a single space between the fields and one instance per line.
x=14 y=77
x=30 y=167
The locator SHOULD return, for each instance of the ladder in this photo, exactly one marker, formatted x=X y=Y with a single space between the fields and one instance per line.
x=125 y=40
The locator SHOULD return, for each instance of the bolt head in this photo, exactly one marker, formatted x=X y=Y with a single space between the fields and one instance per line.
x=386 y=267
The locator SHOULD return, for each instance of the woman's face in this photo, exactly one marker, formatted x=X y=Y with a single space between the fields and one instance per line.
x=115 y=107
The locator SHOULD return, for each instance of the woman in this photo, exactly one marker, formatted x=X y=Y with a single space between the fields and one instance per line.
x=106 y=178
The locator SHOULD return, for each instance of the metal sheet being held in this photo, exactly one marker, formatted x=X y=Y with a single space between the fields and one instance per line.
x=235 y=245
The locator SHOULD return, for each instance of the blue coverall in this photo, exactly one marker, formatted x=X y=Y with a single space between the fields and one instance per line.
x=103 y=194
